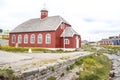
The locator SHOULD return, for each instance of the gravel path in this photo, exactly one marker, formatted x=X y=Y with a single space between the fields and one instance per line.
x=18 y=61
x=8 y=57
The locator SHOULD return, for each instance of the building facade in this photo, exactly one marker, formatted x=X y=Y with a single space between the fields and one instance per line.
x=45 y=32
x=113 y=40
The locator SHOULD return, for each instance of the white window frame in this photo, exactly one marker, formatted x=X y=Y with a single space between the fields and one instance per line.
x=39 y=39
x=26 y=38
x=48 y=38
x=32 y=39
x=66 y=41
x=19 y=39
x=13 y=38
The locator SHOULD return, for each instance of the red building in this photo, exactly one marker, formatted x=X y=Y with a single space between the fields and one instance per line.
x=105 y=42
x=45 y=32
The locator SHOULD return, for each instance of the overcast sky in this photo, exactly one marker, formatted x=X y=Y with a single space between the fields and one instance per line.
x=92 y=19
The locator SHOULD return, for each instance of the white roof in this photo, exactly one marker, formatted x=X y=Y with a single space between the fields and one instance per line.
x=69 y=32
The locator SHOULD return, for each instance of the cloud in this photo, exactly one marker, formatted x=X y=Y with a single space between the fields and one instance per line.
x=90 y=18
x=2 y=4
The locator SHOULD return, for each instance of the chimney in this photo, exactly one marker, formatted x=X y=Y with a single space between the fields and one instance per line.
x=44 y=13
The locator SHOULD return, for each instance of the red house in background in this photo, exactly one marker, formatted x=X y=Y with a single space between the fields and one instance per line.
x=45 y=32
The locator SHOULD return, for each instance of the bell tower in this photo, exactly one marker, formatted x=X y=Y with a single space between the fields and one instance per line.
x=44 y=13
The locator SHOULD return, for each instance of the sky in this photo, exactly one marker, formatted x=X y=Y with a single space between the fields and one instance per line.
x=92 y=19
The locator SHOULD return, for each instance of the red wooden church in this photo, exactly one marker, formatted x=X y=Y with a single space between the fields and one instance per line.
x=45 y=32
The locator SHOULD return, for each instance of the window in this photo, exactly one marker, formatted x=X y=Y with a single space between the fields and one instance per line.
x=48 y=38
x=13 y=38
x=40 y=38
x=19 y=39
x=25 y=38
x=32 y=39
x=66 y=41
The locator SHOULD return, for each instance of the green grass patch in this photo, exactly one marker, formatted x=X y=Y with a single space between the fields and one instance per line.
x=34 y=50
x=52 y=78
x=13 y=49
x=7 y=73
x=94 y=67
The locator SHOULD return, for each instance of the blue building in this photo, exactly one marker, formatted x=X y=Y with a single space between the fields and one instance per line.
x=116 y=41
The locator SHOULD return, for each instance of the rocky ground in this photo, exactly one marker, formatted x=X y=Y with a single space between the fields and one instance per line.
x=71 y=75
x=115 y=65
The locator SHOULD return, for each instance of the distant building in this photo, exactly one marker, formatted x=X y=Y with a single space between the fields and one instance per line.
x=112 y=40
x=45 y=32
x=4 y=34
x=92 y=43
x=84 y=42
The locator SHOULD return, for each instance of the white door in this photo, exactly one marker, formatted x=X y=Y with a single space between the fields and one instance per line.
x=77 y=42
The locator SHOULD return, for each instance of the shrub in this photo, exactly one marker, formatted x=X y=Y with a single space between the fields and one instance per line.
x=79 y=62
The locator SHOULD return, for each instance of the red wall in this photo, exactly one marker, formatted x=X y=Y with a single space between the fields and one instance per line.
x=52 y=45
x=72 y=42
x=59 y=31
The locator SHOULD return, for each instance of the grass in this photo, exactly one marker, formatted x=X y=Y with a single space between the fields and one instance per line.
x=52 y=78
x=7 y=73
x=94 y=67
x=34 y=50
x=13 y=49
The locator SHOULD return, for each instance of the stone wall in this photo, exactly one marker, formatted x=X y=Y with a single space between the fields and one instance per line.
x=57 y=69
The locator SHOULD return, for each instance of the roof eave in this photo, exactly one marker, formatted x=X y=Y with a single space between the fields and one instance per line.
x=33 y=31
